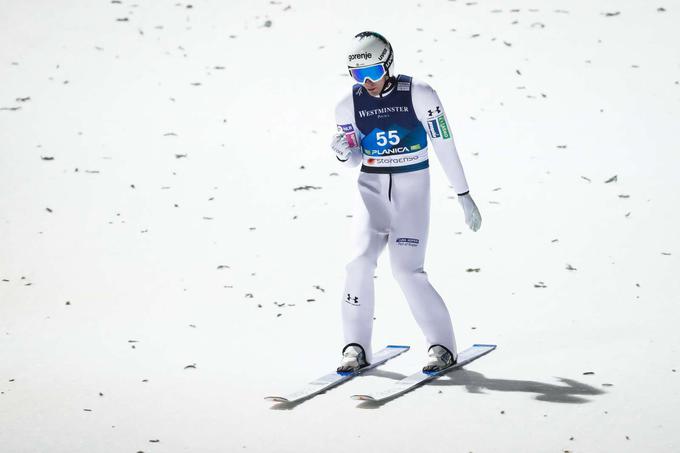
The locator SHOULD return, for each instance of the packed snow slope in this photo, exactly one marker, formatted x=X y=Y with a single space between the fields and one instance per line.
x=174 y=226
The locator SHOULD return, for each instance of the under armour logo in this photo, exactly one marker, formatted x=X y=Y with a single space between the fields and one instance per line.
x=437 y=110
x=352 y=300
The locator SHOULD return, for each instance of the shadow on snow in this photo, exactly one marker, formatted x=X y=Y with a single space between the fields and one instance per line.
x=571 y=391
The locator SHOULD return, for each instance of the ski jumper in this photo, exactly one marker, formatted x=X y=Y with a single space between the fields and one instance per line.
x=389 y=137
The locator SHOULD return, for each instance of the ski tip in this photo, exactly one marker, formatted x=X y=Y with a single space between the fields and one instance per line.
x=363 y=398
x=398 y=346
x=478 y=345
x=277 y=399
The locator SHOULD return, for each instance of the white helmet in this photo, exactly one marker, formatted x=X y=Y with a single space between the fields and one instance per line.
x=369 y=48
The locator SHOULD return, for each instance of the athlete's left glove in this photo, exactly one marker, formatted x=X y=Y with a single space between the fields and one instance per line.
x=473 y=218
x=340 y=146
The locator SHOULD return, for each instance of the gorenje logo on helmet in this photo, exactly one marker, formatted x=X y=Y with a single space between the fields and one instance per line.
x=360 y=56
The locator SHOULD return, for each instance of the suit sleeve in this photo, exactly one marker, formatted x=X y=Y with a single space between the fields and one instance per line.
x=430 y=112
x=344 y=120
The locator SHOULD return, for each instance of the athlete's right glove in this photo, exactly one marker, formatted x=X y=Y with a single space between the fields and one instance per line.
x=473 y=218
x=340 y=146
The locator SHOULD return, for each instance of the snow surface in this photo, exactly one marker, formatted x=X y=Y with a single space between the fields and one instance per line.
x=174 y=226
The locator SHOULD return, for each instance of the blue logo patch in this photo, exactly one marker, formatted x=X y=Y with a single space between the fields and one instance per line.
x=433 y=128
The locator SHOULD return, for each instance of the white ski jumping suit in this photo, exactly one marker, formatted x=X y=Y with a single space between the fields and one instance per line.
x=389 y=138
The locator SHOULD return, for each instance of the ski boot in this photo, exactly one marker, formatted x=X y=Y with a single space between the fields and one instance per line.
x=440 y=358
x=353 y=358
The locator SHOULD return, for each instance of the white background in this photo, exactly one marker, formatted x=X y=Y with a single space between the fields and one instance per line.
x=120 y=284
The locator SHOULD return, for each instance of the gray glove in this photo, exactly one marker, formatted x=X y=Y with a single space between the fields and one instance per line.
x=473 y=218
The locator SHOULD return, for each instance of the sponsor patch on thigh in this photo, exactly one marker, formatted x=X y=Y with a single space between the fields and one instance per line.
x=408 y=242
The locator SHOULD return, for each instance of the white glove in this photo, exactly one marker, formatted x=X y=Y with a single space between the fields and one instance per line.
x=473 y=218
x=340 y=146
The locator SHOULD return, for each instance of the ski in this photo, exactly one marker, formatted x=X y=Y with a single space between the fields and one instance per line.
x=421 y=377
x=331 y=380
